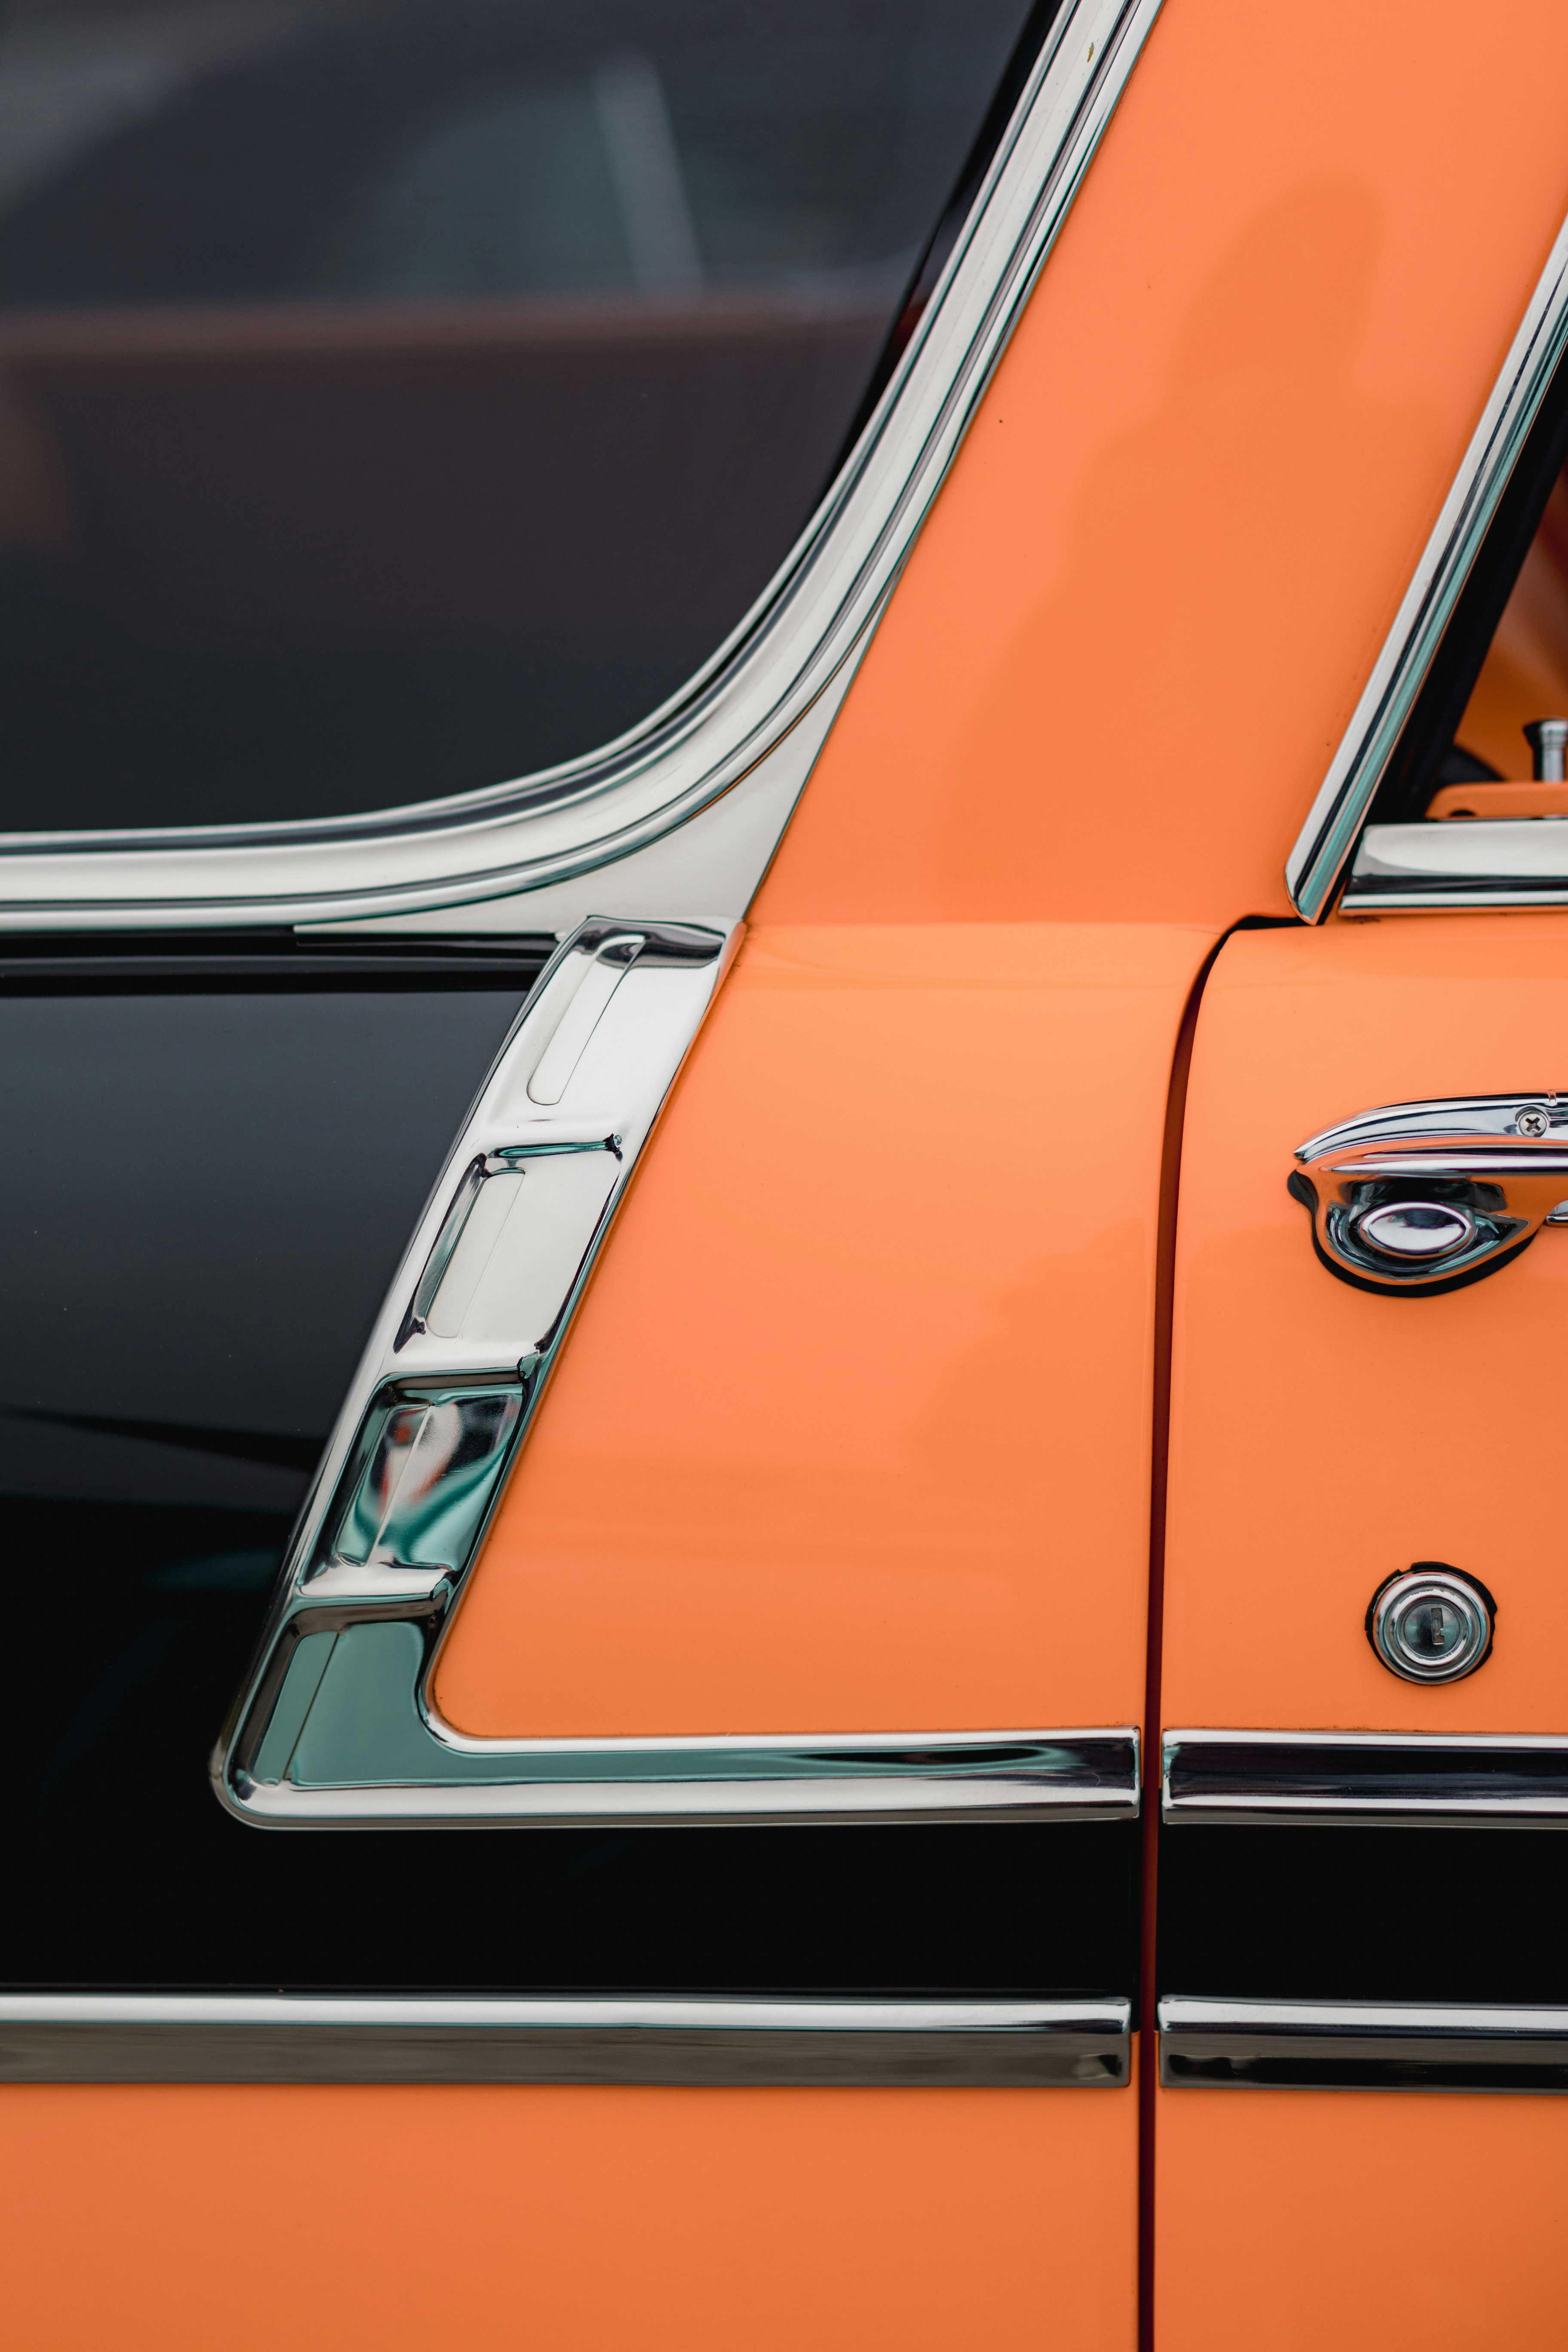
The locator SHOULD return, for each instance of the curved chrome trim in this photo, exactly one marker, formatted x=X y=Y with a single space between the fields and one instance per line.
x=1379 y=1779
x=1328 y=837
x=336 y=1726
x=294 y=2038
x=1343 y=2045
x=797 y=645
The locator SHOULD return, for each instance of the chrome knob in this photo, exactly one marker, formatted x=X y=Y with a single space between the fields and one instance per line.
x=1547 y=742
x=1431 y=1624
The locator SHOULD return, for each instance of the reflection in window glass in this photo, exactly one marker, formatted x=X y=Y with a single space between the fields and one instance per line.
x=395 y=398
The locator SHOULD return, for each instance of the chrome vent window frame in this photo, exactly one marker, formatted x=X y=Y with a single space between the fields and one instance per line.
x=753 y=717
x=1329 y=840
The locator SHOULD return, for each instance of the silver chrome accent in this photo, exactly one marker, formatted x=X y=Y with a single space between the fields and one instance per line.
x=733 y=747
x=295 y=2038
x=1505 y=861
x=1327 y=839
x=1421 y=1197
x=335 y=1725
x=1431 y=1624
x=1547 y=742
x=1344 y=2045
x=1377 y=1779
x=1415 y=1230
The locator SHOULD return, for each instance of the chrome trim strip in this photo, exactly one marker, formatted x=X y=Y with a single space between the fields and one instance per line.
x=336 y=1726
x=1468 y=862
x=1341 y=2045
x=295 y=2038
x=1328 y=837
x=798 y=645
x=442 y=1781
x=1377 y=1779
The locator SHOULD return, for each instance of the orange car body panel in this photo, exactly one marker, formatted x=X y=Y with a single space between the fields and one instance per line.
x=805 y=1463
x=475 y=2219
x=1322 y=1438
x=1139 y=617
x=853 y=1432
x=1292 y=2220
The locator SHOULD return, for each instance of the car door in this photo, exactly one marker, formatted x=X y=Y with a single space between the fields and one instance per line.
x=1363 y=1720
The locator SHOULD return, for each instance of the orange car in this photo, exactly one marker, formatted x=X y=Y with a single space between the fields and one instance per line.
x=819 y=745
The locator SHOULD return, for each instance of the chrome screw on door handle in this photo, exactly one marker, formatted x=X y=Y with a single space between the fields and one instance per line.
x=1424 y=1197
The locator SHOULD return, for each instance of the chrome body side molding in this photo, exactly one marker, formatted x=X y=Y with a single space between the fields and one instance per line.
x=1325 y=842
x=335 y=1726
x=1340 y=2045
x=751 y=719
x=282 y=2038
x=1383 y=1779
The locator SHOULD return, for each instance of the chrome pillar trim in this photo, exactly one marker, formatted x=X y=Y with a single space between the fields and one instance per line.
x=289 y=2038
x=736 y=719
x=1329 y=835
x=1342 y=2045
x=1378 y=1779
x=335 y=1727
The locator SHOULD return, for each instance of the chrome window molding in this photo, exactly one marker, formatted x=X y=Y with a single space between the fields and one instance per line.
x=1386 y=1780
x=1461 y=862
x=336 y=1726
x=751 y=721
x=286 y=2038
x=1326 y=841
x=1341 y=2045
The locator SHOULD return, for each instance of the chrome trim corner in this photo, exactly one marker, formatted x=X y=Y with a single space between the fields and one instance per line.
x=1082 y=2045
x=1342 y=2045
x=736 y=722
x=1375 y=1780
x=1329 y=836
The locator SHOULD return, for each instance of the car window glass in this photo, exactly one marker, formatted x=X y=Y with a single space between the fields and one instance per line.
x=396 y=398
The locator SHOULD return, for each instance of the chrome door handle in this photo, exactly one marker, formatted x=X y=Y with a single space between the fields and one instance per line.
x=1425 y=1197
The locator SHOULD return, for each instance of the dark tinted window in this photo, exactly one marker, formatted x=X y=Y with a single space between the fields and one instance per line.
x=395 y=398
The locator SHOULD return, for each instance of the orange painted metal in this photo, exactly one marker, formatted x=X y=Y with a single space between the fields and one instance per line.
x=853 y=1432
x=468 y=2220
x=1138 y=621
x=1322 y=1437
x=1294 y=2219
x=1520 y=798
